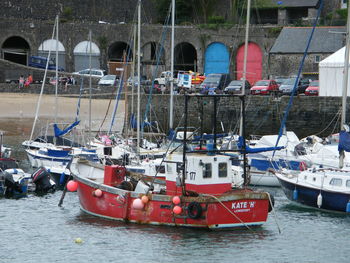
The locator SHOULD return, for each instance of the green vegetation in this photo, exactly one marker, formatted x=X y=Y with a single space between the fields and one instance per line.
x=67 y=13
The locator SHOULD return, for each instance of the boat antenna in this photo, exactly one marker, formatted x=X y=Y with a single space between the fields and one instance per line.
x=90 y=89
x=184 y=148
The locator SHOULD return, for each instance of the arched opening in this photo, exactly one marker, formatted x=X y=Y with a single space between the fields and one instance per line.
x=82 y=53
x=254 y=63
x=50 y=44
x=117 y=50
x=217 y=59
x=185 y=57
x=16 y=49
x=152 y=53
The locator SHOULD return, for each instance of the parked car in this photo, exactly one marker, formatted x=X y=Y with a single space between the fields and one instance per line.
x=235 y=87
x=280 y=80
x=264 y=87
x=214 y=83
x=143 y=80
x=287 y=86
x=108 y=80
x=95 y=73
x=40 y=62
x=313 y=89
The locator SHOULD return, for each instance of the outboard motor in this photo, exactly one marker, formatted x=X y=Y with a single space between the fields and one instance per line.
x=43 y=181
x=11 y=185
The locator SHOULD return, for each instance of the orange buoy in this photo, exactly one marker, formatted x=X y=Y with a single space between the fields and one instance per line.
x=72 y=186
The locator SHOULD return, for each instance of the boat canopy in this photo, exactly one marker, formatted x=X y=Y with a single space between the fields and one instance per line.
x=59 y=132
x=344 y=141
x=256 y=150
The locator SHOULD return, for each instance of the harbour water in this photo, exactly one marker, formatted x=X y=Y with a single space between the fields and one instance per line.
x=35 y=229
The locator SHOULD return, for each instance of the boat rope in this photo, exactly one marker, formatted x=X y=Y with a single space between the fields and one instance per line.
x=78 y=104
x=283 y=124
x=274 y=213
x=240 y=220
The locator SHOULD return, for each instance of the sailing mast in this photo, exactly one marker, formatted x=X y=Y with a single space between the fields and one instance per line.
x=56 y=84
x=90 y=81
x=138 y=75
x=345 y=85
x=42 y=85
x=171 y=109
x=242 y=120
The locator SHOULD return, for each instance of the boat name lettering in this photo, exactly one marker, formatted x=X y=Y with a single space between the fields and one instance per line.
x=240 y=205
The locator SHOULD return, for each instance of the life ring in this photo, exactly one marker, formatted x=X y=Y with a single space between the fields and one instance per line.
x=194 y=210
x=302 y=166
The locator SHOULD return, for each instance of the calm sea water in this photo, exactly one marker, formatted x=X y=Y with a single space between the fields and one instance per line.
x=35 y=229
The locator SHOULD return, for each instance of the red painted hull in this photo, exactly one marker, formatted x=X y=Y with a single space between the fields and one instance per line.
x=237 y=208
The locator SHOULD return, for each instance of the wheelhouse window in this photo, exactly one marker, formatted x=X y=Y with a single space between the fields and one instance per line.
x=160 y=169
x=169 y=168
x=336 y=182
x=207 y=170
x=222 y=169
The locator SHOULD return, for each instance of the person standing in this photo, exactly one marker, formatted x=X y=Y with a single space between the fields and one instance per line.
x=21 y=82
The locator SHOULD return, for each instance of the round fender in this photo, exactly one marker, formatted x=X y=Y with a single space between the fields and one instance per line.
x=194 y=210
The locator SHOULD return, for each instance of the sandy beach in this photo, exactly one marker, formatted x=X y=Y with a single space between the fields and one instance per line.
x=24 y=106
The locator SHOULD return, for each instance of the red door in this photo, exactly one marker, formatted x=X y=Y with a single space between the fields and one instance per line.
x=254 y=63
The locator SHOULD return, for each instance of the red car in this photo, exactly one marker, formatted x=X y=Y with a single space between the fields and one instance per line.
x=264 y=87
x=313 y=88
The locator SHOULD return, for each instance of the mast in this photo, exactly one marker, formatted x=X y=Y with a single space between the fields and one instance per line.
x=42 y=87
x=138 y=74
x=345 y=85
x=90 y=81
x=171 y=108
x=56 y=84
x=133 y=72
x=242 y=120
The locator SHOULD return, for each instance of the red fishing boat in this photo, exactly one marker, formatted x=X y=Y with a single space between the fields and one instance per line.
x=196 y=192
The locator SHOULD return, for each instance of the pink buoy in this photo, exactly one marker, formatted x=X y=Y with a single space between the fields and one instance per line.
x=177 y=210
x=98 y=193
x=137 y=204
x=72 y=186
x=144 y=199
x=176 y=200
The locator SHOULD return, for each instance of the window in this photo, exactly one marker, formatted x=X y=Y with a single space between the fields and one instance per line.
x=336 y=182
x=317 y=58
x=169 y=168
x=160 y=169
x=348 y=183
x=207 y=170
x=222 y=169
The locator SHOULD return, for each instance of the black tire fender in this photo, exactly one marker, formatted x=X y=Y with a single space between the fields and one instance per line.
x=194 y=210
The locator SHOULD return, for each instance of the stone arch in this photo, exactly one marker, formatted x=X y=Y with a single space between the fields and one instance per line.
x=82 y=55
x=217 y=58
x=50 y=44
x=116 y=52
x=254 y=62
x=15 y=49
x=150 y=53
x=185 y=55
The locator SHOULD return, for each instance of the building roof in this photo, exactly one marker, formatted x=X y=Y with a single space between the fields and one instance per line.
x=287 y=3
x=294 y=40
x=298 y=3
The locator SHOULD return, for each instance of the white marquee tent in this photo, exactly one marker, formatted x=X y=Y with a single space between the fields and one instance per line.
x=331 y=74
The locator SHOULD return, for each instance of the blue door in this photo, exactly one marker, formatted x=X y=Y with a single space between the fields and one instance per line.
x=217 y=59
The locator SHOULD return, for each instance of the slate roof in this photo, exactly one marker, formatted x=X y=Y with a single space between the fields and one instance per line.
x=297 y=3
x=294 y=40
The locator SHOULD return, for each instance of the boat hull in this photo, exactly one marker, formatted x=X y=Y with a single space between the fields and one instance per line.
x=234 y=210
x=308 y=196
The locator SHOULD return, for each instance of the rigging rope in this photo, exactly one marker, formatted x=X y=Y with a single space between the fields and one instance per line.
x=283 y=124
